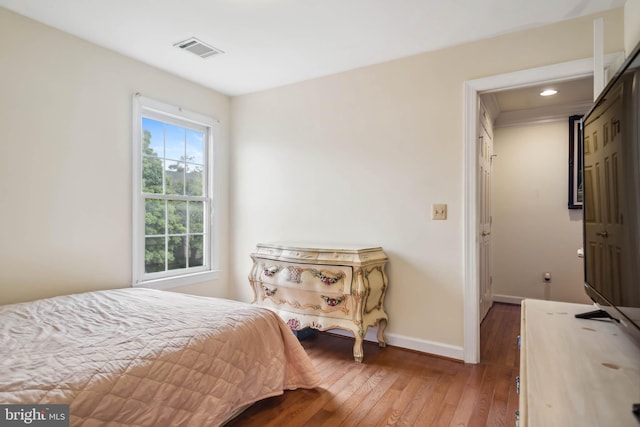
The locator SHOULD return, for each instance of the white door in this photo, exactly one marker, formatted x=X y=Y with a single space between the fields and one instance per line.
x=485 y=155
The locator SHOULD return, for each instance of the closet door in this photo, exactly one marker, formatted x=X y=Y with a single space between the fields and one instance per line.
x=485 y=151
x=603 y=170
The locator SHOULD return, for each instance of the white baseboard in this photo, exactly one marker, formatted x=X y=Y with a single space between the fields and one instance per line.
x=507 y=299
x=424 y=346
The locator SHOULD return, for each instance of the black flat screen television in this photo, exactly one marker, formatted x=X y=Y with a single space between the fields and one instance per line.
x=611 y=198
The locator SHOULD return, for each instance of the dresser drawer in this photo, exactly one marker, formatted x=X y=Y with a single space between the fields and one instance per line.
x=327 y=304
x=309 y=277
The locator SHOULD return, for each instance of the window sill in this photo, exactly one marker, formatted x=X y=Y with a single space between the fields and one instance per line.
x=175 y=282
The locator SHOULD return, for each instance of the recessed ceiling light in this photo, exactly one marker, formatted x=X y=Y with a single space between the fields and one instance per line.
x=548 y=92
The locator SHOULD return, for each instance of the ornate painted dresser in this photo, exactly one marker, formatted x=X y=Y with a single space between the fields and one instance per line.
x=323 y=287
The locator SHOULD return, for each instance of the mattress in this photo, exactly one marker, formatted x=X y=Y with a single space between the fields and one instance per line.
x=142 y=357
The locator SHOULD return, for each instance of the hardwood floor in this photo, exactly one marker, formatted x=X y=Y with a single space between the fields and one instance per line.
x=398 y=387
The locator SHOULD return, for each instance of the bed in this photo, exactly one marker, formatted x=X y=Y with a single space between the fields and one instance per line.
x=142 y=357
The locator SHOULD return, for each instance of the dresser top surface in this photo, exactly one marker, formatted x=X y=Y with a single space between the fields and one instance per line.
x=321 y=253
x=319 y=246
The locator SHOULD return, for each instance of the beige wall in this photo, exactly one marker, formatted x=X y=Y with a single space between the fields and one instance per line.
x=65 y=145
x=361 y=156
x=533 y=231
x=631 y=25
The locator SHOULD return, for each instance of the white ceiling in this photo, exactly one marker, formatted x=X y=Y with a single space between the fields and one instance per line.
x=270 y=43
x=524 y=106
x=578 y=91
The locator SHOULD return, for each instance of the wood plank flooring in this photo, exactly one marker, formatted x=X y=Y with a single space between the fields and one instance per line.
x=398 y=387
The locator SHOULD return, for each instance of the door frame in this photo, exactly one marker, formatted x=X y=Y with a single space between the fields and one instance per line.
x=472 y=88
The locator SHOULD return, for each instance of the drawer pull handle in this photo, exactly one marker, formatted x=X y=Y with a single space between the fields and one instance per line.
x=332 y=302
x=270 y=271
x=326 y=279
x=518 y=384
x=269 y=291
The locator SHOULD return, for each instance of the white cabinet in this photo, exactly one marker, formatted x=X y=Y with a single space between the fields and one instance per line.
x=575 y=372
x=323 y=287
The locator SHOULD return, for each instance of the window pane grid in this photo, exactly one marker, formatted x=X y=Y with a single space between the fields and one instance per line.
x=181 y=250
x=174 y=190
x=173 y=159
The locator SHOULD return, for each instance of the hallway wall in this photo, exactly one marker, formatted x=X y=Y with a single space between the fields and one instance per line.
x=533 y=230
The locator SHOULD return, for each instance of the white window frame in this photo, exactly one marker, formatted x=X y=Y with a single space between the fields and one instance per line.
x=146 y=107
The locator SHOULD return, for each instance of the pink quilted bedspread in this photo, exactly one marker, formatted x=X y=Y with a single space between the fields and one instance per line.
x=140 y=357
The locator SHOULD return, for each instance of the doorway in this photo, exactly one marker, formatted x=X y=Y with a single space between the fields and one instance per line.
x=558 y=72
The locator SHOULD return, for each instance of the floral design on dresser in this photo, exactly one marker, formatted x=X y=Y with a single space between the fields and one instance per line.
x=270 y=271
x=326 y=279
x=332 y=302
x=316 y=325
x=294 y=324
x=269 y=291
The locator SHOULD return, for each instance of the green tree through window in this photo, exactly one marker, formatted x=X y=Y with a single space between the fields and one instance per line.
x=174 y=196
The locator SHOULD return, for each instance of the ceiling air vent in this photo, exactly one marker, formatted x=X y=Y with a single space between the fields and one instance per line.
x=198 y=47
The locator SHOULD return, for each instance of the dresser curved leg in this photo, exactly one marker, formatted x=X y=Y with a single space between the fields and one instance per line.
x=382 y=325
x=358 y=353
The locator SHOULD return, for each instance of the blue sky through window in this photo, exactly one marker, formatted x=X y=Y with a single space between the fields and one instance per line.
x=156 y=129
x=174 y=142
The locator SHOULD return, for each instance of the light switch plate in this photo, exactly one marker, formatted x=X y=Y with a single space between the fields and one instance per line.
x=439 y=211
